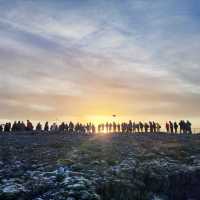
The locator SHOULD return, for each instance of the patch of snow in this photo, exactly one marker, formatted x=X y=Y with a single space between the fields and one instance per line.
x=12 y=188
x=155 y=197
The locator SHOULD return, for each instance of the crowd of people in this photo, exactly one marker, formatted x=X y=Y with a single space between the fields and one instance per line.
x=70 y=127
x=130 y=127
x=145 y=127
x=89 y=128
x=184 y=127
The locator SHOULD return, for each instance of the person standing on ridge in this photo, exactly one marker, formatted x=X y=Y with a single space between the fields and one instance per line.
x=46 y=127
x=175 y=127
x=29 y=126
x=167 y=127
x=146 y=127
x=1 y=128
x=188 y=125
x=171 y=127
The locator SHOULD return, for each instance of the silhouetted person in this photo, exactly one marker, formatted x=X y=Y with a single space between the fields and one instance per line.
x=76 y=128
x=107 y=127
x=154 y=126
x=46 y=126
x=84 y=129
x=114 y=127
x=171 y=127
x=123 y=127
x=7 y=127
x=126 y=127
x=130 y=126
x=71 y=127
x=14 y=126
x=87 y=128
x=133 y=127
x=23 y=126
x=66 y=128
x=1 y=128
x=99 y=128
x=29 y=126
x=151 y=127
x=167 y=127
x=93 y=129
x=110 y=127
x=141 y=126
x=62 y=127
x=146 y=127
x=188 y=127
x=137 y=127
x=20 y=126
x=184 y=127
x=103 y=127
x=38 y=127
x=158 y=127
x=181 y=126
x=118 y=128
x=175 y=127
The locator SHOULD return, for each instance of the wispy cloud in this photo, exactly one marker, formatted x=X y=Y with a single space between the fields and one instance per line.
x=132 y=54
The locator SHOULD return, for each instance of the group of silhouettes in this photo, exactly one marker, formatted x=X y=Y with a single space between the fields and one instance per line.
x=89 y=128
x=70 y=127
x=184 y=127
x=145 y=127
x=130 y=127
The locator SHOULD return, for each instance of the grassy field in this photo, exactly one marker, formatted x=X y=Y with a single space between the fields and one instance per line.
x=137 y=166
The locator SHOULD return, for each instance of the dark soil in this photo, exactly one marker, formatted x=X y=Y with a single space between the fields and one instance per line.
x=137 y=166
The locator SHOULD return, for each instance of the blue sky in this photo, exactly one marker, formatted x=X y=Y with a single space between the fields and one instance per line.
x=74 y=59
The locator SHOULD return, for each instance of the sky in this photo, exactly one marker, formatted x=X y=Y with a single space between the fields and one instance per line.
x=86 y=60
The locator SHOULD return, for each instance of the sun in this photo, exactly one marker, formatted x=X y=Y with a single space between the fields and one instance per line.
x=99 y=119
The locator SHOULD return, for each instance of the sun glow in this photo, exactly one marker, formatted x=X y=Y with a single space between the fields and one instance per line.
x=99 y=119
